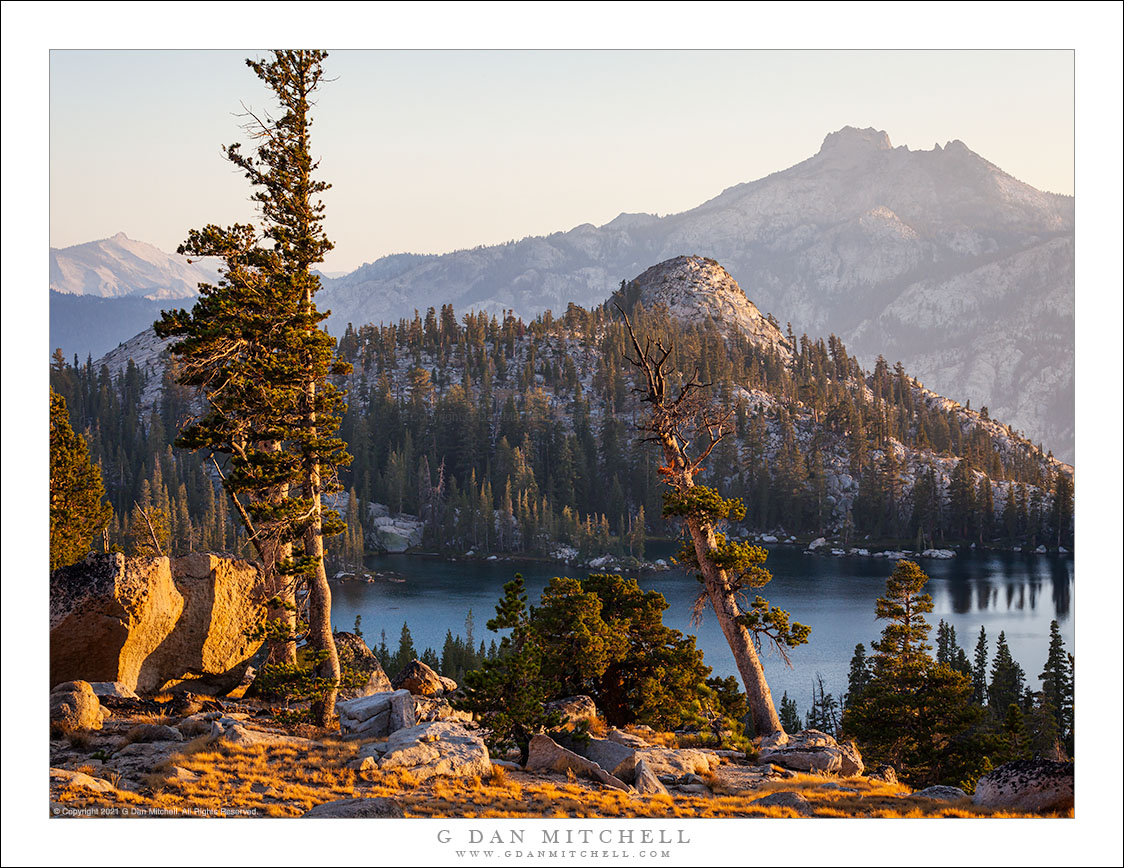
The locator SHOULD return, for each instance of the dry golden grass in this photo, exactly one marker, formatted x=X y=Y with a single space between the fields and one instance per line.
x=283 y=781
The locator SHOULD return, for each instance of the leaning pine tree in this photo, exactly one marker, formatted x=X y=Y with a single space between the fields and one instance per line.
x=687 y=428
x=254 y=347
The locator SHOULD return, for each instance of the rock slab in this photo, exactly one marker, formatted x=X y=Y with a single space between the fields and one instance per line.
x=440 y=748
x=377 y=715
x=1027 y=785
x=545 y=754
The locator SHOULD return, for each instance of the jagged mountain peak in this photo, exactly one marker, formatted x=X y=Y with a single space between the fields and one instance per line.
x=695 y=289
x=852 y=138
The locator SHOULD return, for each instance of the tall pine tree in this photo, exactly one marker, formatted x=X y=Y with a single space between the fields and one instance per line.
x=255 y=346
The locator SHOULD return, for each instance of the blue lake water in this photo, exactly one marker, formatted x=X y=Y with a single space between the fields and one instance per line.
x=1016 y=593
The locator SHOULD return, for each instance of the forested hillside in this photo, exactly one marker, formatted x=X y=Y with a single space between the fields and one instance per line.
x=514 y=436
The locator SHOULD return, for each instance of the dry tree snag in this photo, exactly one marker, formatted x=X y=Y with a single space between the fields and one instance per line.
x=687 y=427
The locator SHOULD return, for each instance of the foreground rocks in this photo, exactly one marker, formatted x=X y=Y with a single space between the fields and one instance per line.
x=431 y=749
x=811 y=751
x=151 y=624
x=1027 y=785
x=420 y=679
x=354 y=654
x=75 y=706
x=377 y=715
x=545 y=754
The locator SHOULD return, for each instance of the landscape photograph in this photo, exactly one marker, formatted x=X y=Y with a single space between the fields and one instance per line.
x=567 y=452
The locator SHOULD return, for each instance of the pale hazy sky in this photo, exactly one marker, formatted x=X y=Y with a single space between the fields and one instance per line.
x=430 y=151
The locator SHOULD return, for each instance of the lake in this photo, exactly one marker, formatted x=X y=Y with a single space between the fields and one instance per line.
x=1016 y=593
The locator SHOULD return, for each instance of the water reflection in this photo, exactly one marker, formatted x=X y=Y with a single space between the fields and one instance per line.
x=835 y=596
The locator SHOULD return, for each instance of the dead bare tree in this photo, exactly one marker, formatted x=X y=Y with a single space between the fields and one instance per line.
x=687 y=426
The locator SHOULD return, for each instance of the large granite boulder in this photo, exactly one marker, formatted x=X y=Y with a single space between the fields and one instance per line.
x=108 y=614
x=545 y=754
x=431 y=749
x=419 y=678
x=152 y=624
x=1027 y=785
x=208 y=651
x=74 y=705
x=377 y=715
x=355 y=655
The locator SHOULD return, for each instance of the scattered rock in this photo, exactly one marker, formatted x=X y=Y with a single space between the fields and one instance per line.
x=146 y=733
x=617 y=759
x=839 y=788
x=785 y=799
x=67 y=778
x=74 y=705
x=695 y=789
x=430 y=708
x=376 y=715
x=364 y=764
x=545 y=754
x=115 y=689
x=851 y=758
x=135 y=761
x=940 y=794
x=1027 y=785
x=420 y=679
x=646 y=782
x=884 y=773
x=668 y=763
x=175 y=774
x=627 y=739
x=235 y=732
x=574 y=709
x=440 y=748
x=364 y=808
x=811 y=751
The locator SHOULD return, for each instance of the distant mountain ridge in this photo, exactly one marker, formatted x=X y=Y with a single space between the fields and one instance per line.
x=935 y=258
x=119 y=266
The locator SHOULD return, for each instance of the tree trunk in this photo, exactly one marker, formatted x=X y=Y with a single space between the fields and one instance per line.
x=284 y=587
x=758 y=696
x=319 y=593
x=726 y=609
